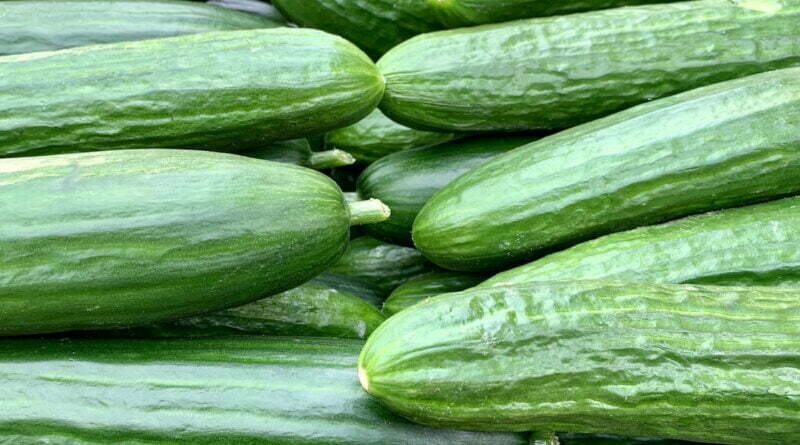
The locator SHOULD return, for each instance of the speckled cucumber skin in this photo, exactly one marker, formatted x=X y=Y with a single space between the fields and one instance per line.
x=725 y=145
x=114 y=239
x=562 y=71
x=277 y=391
x=709 y=364
x=222 y=91
x=48 y=25
x=419 y=288
x=377 y=136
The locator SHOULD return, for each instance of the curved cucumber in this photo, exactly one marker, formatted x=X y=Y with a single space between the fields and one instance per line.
x=376 y=136
x=406 y=180
x=111 y=239
x=249 y=391
x=205 y=91
x=672 y=361
x=298 y=152
x=419 y=288
x=725 y=145
x=47 y=25
x=562 y=71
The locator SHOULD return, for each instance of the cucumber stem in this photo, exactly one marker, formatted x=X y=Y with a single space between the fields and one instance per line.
x=351 y=197
x=368 y=212
x=330 y=159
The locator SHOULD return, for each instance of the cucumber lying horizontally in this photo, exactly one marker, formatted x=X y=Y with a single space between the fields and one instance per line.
x=406 y=180
x=251 y=6
x=561 y=71
x=278 y=391
x=710 y=364
x=47 y=25
x=298 y=152
x=725 y=145
x=222 y=91
x=376 y=136
x=419 y=288
x=605 y=439
x=121 y=238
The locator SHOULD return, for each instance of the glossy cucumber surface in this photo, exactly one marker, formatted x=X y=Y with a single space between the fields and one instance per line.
x=420 y=288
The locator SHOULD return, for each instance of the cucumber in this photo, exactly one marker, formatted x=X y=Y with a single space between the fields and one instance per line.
x=129 y=237
x=298 y=152
x=750 y=246
x=406 y=180
x=280 y=391
x=605 y=439
x=382 y=265
x=376 y=136
x=725 y=145
x=252 y=6
x=205 y=91
x=703 y=363
x=48 y=25
x=351 y=285
x=562 y=71
x=419 y=288
x=374 y=25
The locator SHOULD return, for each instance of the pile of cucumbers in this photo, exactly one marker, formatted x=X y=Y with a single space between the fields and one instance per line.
x=408 y=222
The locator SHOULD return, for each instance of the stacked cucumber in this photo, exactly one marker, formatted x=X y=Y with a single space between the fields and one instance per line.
x=400 y=222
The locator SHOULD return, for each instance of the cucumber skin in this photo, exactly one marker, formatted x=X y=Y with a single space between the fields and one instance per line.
x=294 y=151
x=280 y=391
x=49 y=25
x=131 y=237
x=406 y=180
x=725 y=145
x=672 y=361
x=116 y=96
x=558 y=72
x=419 y=288
x=750 y=246
x=377 y=136
x=603 y=439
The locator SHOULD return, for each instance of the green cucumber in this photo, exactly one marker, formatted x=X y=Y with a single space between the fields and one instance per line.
x=750 y=246
x=279 y=391
x=252 y=6
x=129 y=237
x=419 y=288
x=222 y=91
x=703 y=363
x=298 y=152
x=562 y=71
x=376 y=136
x=48 y=25
x=725 y=145
x=374 y=25
x=406 y=180
x=605 y=439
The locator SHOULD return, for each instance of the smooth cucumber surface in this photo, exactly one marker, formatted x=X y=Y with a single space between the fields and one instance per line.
x=709 y=364
x=114 y=239
x=725 y=145
x=562 y=71
x=376 y=136
x=280 y=391
x=757 y=245
x=298 y=152
x=419 y=288
x=605 y=439
x=48 y=25
x=221 y=91
x=406 y=180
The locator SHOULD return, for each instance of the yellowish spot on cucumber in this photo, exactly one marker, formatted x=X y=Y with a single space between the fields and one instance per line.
x=362 y=378
x=767 y=6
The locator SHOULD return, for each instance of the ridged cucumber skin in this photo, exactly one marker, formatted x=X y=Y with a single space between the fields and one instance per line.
x=114 y=239
x=406 y=180
x=221 y=91
x=281 y=391
x=419 y=288
x=725 y=145
x=48 y=25
x=672 y=361
x=376 y=136
x=374 y=25
x=750 y=246
x=604 y=439
x=562 y=71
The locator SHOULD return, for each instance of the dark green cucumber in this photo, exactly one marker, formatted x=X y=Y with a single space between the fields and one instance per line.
x=47 y=25
x=298 y=152
x=562 y=71
x=278 y=391
x=419 y=288
x=703 y=363
x=382 y=265
x=406 y=180
x=750 y=246
x=114 y=239
x=605 y=439
x=376 y=136
x=374 y=25
x=223 y=91
x=725 y=145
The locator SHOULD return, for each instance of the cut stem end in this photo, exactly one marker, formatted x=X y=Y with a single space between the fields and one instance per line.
x=331 y=159
x=370 y=211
